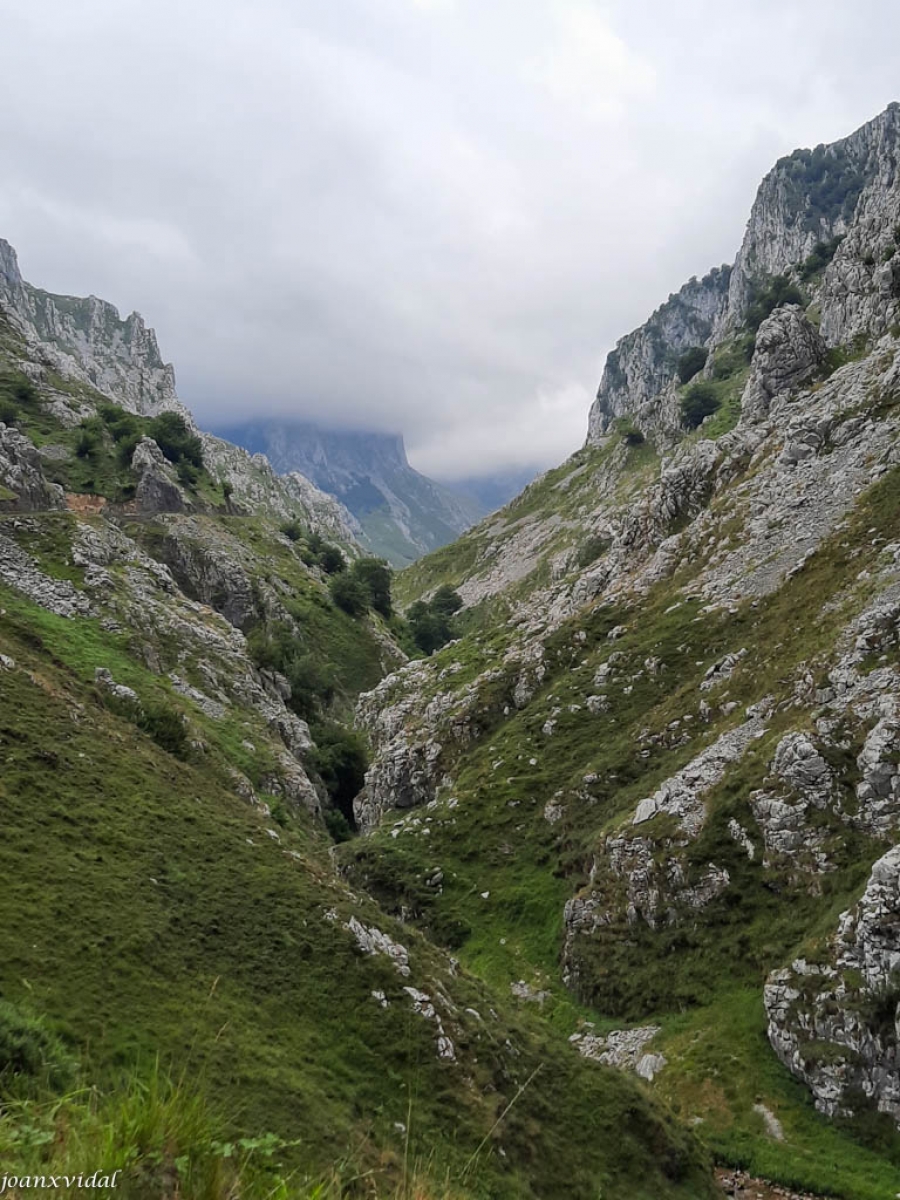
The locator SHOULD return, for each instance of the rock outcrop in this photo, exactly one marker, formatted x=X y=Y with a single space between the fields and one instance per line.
x=843 y=192
x=22 y=483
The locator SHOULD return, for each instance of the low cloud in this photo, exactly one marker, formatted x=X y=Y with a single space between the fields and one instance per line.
x=422 y=216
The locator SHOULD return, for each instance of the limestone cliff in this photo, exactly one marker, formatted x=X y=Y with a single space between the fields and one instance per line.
x=401 y=514
x=811 y=198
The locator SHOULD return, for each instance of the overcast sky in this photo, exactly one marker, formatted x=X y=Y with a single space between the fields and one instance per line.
x=429 y=216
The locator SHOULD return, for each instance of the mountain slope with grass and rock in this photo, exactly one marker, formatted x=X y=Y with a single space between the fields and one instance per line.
x=655 y=775
x=191 y=992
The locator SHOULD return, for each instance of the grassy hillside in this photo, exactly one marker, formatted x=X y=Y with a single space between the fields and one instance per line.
x=533 y=796
x=149 y=912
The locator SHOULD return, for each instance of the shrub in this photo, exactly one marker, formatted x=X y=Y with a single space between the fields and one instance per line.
x=430 y=631
x=227 y=489
x=697 y=403
x=690 y=363
x=331 y=559
x=778 y=291
x=431 y=624
x=340 y=761
x=187 y=473
x=19 y=388
x=446 y=601
x=312 y=685
x=121 y=424
x=292 y=530
x=349 y=594
x=595 y=547
x=170 y=432
x=819 y=258
x=374 y=576
x=164 y=724
x=9 y=412
x=30 y=1055
x=87 y=442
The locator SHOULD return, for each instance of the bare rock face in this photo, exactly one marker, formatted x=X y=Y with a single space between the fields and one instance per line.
x=789 y=350
x=22 y=476
x=157 y=490
x=835 y=1024
x=858 y=295
x=88 y=340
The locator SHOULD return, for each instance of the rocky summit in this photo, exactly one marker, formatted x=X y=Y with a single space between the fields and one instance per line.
x=593 y=891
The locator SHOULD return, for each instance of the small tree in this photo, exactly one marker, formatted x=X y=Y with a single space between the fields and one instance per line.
x=331 y=559
x=446 y=601
x=375 y=577
x=170 y=432
x=697 y=403
x=292 y=530
x=349 y=594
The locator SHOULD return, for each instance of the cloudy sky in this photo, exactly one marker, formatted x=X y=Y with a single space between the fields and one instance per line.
x=430 y=216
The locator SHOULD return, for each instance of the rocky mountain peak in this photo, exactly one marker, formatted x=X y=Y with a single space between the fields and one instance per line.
x=825 y=226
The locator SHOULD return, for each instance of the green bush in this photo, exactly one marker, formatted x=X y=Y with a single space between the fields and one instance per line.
x=165 y=726
x=87 y=442
x=9 y=412
x=697 y=403
x=374 y=576
x=187 y=473
x=340 y=761
x=446 y=601
x=820 y=257
x=595 y=547
x=31 y=1056
x=431 y=624
x=312 y=685
x=349 y=594
x=315 y=551
x=331 y=559
x=19 y=389
x=765 y=298
x=170 y=432
x=292 y=530
x=690 y=363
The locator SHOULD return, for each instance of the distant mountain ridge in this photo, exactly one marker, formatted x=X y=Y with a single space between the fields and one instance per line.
x=402 y=513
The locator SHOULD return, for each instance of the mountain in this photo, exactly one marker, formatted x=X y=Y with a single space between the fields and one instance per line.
x=658 y=768
x=191 y=993
x=602 y=893
x=402 y=514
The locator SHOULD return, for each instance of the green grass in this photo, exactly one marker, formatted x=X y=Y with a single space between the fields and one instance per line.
x=496 y=839
x=191 y=935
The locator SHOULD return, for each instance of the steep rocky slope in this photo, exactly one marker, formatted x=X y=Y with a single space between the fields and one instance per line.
x=173 y=676
x=653 y=790
x=401 y=513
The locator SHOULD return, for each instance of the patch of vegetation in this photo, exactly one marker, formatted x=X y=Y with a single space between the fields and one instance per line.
x=767 y=295
x=194 y=937
x=166 y=726
x=821 y=255
x=32 y=1057
x=691 y=363
x=432 y=623
x=171 y=433
x=698 y=402
x=591 y=549
x=823 y=183
x=340 y=761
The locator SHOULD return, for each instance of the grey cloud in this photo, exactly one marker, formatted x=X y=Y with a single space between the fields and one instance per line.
x=433 y=216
